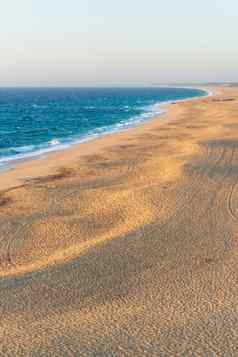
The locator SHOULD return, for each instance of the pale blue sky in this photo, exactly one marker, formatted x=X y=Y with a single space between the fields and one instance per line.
x=87 y=42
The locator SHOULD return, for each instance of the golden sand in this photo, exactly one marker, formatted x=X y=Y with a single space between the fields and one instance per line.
x=127 y=245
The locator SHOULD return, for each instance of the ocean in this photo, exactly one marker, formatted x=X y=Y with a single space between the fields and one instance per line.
x=34 y=121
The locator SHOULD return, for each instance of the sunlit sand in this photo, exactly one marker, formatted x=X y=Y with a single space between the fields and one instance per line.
x=127 y=245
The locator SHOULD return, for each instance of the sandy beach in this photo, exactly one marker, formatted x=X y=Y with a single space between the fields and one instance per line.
x=126 y=245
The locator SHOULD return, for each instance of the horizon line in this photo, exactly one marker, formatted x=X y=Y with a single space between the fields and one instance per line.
x=115 y=85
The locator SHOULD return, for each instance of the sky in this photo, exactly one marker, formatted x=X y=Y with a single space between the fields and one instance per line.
x=109 y=42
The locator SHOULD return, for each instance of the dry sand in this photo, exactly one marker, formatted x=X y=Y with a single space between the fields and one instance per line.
x=128 y=245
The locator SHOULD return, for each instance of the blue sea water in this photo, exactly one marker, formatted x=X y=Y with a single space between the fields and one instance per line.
x=34 y=121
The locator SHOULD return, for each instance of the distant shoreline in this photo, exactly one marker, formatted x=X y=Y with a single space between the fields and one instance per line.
x=11 y=162
x=40 y=166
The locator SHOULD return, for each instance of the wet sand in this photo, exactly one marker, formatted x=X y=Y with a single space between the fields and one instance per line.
x=127 y=245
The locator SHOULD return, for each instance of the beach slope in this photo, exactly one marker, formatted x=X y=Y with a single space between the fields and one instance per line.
x=127 y=245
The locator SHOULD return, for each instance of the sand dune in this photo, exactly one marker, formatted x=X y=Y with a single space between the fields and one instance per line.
x=126 y=246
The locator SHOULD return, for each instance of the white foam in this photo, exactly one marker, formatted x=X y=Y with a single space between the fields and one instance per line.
x=54 y=142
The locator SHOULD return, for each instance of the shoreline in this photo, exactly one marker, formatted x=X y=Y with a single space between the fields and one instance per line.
x=12 y=176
